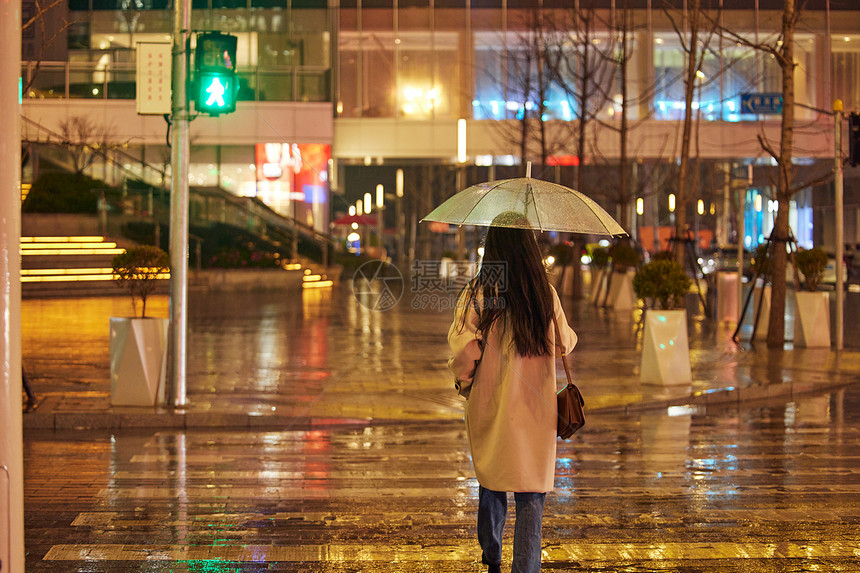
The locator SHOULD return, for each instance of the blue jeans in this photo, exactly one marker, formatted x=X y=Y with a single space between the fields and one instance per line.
x=492 y=511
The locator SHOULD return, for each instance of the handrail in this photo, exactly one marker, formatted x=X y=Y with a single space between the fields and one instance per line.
x=9 y=506
x=241 y=204
x=125 y=73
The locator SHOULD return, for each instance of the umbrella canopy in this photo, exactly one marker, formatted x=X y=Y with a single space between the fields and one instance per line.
x=350 y=219
x=543 y=205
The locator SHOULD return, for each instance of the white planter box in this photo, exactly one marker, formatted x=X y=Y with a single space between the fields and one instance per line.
x=764 y=320
x=138 y=348
x=598 y=284
x=567 y=280
x=812 y=319
x=621 y=295
x=665 y=348
x=727 y=297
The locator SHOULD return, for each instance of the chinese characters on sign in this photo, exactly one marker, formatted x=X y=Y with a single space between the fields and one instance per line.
x=153 y=78
x=761 y=103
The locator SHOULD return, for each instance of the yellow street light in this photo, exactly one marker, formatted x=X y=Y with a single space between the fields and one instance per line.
x=671 y=202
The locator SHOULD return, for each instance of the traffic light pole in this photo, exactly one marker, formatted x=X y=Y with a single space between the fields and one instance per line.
x=180 y=148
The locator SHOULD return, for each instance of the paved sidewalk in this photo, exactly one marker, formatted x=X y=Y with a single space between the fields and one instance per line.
x=268 y=360
x=342 y=450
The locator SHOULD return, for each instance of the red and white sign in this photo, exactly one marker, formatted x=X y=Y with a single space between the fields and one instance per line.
x=153 y=78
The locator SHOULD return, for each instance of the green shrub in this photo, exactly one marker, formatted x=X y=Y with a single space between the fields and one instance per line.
x=600 y=258
x=227 y=247
x=811 y=264
x=137 y=269
x=664 y=281
x=62 y=193
x=563 y=254
x=624 y=256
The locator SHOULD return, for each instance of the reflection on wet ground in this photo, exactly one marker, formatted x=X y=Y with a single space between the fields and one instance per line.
x=771 y=488
x=368 y=468
x=324 y=355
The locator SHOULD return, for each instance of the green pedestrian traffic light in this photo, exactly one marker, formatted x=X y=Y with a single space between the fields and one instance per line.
x=217 y=93
x=215 y=81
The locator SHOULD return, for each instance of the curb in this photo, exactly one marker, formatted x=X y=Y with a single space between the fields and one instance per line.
x=728 y=396
x=179 y=421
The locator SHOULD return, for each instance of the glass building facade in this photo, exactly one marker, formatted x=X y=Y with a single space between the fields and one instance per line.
x=429 y=62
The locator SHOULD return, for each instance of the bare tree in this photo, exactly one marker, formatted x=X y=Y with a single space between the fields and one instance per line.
x=84 y=141
x=584 y=65
x=781 y=48
x=527 y=79
x=131 y=12
x=694 y=33
x=37 y=17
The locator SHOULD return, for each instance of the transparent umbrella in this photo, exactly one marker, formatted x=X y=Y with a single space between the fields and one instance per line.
x=542 y=205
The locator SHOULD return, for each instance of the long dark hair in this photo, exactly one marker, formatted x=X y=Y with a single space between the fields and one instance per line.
x=515 y=289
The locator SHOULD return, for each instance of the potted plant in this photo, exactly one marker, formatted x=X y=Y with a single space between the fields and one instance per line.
x=665 y=346
x=599 y=262
x=624 y=258
x=561 y=255
x=138 y=344
x=812 y=311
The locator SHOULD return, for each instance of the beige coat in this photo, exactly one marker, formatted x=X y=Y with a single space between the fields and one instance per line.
x=511 y=412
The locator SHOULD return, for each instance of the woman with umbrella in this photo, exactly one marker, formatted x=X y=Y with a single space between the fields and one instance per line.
x=504 y=343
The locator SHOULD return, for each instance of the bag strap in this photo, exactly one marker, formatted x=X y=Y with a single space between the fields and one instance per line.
x=563 y=354
x=481 y=341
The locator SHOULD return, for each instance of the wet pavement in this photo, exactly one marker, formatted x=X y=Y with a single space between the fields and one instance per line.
x=325 y=436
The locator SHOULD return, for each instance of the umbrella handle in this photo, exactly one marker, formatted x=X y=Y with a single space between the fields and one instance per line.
x=528 y=169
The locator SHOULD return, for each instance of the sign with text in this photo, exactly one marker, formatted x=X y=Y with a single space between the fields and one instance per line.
x=154 y=67
x=762 y=103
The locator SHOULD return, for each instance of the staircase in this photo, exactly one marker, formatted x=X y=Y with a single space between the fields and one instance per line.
x=69 y=266
x=83 y=266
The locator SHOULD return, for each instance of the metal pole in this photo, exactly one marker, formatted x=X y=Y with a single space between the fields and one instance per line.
x=11 y=433
x=179 y=207
x=380 y=219
x=840 y=224
x=742 y=231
